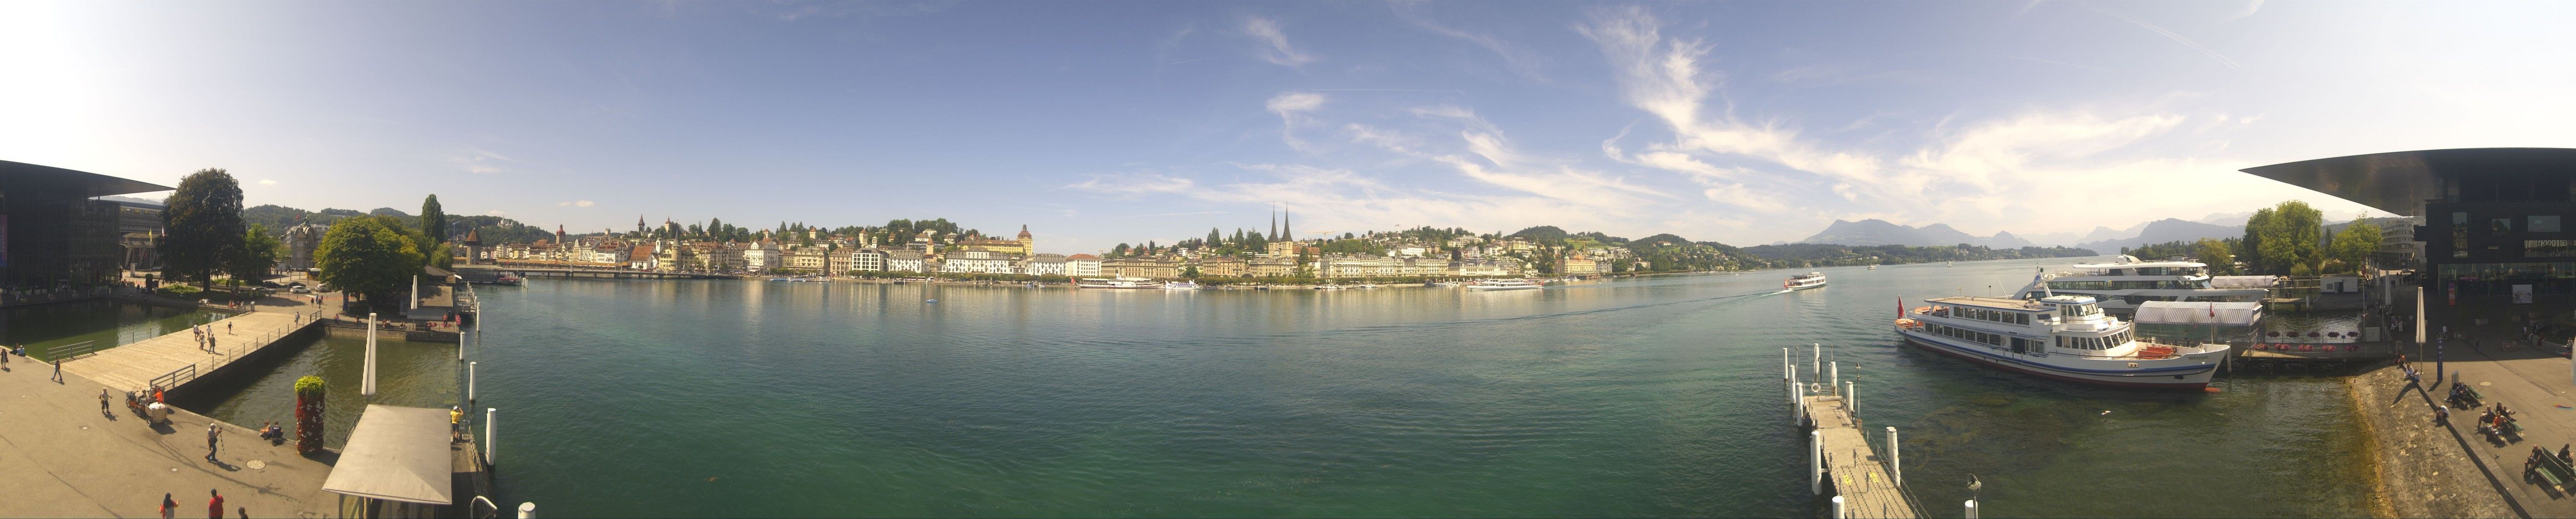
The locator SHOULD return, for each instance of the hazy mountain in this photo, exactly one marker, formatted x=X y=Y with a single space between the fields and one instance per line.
x=2237 y=219
x=145 y=201
x=2168 y=230
x=1880 y=232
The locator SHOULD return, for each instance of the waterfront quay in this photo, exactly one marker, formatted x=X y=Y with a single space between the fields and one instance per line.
x=170 y=361
x=1840 y=461
x=2449 y=467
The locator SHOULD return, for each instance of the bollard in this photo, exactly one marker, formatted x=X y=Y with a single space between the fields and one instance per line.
x=469 y=381
x=1838 y=507
x=1816 y=462
x=367 y=386
x=1820 y=358
x=1785 y=370
x=528 y=510
x=1897 y=457
x=488 y=444
x=1851 y=401
x=1835 y=380
x=1972 y=509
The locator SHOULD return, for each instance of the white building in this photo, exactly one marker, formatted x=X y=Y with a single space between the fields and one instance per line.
x=905 y=260
x=868 y=259
x=1082 y=265
x=1044 y=265
x=977 y=262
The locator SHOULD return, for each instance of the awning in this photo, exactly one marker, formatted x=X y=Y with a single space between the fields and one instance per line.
x=396 y=454
x=2241 y=281
x=2198 y=312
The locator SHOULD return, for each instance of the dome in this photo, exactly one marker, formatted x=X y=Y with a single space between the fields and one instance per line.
x=1024 y=232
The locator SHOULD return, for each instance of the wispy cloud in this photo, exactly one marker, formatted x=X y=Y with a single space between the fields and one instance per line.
x=2177 y=38
x=1520 y=60
x=1290 y=106
x=267 y=182
x=1134 y=184
x=478 y=160
x=1665 y=79
x=1274 y=44
x=1191 y=213
x=575 y=203
x=496 y=212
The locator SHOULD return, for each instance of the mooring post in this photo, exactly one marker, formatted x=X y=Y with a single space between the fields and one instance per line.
x=488 y=440
x=1785 y=370
x=1838 y=508
x=1816 y=462
x=469 y=381
x=1851 y=400
x=1820 y=358
x=1897 y=457
x=1972 y=509
x=528 y=510
x=367 y=387
x=1836 y=382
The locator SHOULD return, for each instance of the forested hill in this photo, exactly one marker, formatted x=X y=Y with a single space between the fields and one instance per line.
x=1829 y=255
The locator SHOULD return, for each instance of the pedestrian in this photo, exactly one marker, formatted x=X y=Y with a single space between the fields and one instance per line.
x=102 y=402
x=212 y=433
x=214 y=505
x=2441 y=414
x=228 y=327
x=58 y=370
x=244 y=512
x=169 y=507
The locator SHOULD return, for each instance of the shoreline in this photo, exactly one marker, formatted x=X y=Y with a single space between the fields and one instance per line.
x=2419 y=469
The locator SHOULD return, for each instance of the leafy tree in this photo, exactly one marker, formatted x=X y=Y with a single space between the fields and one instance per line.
x=2252 y=245
x=433 y=221
x=2290 y=238
x=1191 y=271
x=203 y=219
x=368 y=256
x=2214 y=252
x=2356 y=244
x=259 y=252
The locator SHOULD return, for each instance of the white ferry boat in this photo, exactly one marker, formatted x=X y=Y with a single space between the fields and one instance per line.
x=1503 y=284
x=2125 y=282
x=1180 y=285
x=1117 y=283
x=1330 y=287
x=2063 y=337
x=1804 y=281
x=1873 y=267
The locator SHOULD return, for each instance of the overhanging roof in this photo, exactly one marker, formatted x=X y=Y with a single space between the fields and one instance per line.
x=36 y=182
x=2399 y=182
x=397 y=454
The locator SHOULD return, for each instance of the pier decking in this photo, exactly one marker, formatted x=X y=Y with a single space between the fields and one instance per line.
x=1842 y=465
x=174 y=359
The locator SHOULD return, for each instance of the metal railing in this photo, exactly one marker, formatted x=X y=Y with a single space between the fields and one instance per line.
x=74 y=350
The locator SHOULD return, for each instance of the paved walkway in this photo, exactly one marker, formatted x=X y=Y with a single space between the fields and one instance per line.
x=133 y=367
x=61 y=457
x=2533 y=384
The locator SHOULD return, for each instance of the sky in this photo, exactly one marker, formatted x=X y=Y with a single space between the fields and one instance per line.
x=1097 y=123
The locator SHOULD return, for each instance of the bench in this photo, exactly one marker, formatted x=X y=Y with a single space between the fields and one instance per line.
x=2549 y=467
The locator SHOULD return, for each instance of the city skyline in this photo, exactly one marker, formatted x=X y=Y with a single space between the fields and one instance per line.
x=1738 y=123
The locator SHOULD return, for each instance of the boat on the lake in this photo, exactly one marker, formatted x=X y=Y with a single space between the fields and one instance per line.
x=2122 y=284
x=1130 y=283
x=1503 y=284
x=1804 y=281
x=1180 y=285
x=2062 y=337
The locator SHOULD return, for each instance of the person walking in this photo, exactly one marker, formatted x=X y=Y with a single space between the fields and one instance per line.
x=58 y=370
x=169 y=507
x=214 y=505
x=102 y=403
x=228 y=327
x=213 y=433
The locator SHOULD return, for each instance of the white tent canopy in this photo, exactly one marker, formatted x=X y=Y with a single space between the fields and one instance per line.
x=2199 y=312
x=396 y=454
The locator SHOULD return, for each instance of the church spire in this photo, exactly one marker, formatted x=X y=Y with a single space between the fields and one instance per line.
x=1286 y=225
x=1274 y=222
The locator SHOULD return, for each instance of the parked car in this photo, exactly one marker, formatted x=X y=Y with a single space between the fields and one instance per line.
x=298 y=288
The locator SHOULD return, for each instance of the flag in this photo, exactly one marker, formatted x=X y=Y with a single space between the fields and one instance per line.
x=1900 y=308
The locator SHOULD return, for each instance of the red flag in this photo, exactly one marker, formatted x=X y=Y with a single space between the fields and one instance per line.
x=1900 y=308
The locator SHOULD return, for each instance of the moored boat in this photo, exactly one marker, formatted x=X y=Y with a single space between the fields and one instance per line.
x=2061 y=337
x=1503 y=284
x=1180 y=285
x=1128 y=283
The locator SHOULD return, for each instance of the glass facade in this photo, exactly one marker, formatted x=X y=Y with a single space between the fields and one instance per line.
x=2498 y=279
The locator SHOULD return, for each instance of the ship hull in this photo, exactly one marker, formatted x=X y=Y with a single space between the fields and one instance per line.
x=2175 y=378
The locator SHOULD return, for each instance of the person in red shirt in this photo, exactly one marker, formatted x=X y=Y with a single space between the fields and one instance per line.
x=168 y=507
x=214 y=505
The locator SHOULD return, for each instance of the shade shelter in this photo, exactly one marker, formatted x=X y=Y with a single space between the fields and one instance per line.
x=397 y=464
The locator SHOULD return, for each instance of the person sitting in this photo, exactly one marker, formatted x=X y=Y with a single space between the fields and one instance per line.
x=2563 y=457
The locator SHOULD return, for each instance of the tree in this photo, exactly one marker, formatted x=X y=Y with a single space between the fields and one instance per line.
x=1212 y=239
x=2356 y=244
x=2214 y=252
x=2253 y=244
x=368 y=256
x=204 y=225
x=259 y=252
x=2288 y=237
x=433 y=222
x=1191 y=271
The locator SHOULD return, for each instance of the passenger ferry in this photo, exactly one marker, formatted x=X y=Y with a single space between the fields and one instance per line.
x=1117 y=283
x=2125 y=282
x=2063 y=337
x=1804 y=281
x=1180 y=285
x=1503 y=284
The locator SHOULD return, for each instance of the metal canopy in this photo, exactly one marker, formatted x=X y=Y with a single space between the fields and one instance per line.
x=2399 y=182
x=396 y=454
x=34 y=182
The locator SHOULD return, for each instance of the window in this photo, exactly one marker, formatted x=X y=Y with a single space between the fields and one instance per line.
x=2500 y=225
x=2541 y=223
x=2061 y=342
x=2021 y=319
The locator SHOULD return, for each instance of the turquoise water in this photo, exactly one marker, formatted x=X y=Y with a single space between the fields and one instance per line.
x=416 y=374
x=1647 y=397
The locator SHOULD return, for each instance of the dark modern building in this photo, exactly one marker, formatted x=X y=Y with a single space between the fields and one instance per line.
x=2495 y=221
x=51 y=231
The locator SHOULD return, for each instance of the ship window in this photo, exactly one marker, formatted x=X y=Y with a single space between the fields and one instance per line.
x=2022 y=319
x=2061 y=342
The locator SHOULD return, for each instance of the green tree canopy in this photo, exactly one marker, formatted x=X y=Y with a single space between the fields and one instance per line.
x=370 y=256
x=2356 y=244
x=259 y=252
x=2214 y=252
x=433 y=222
x=2288 y=238
x=203 y=219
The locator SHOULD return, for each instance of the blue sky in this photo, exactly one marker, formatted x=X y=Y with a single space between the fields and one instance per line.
x=1096 y=123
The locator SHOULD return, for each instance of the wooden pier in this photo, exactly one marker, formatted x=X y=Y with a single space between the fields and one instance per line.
x=1842 y=466
x=170 y=361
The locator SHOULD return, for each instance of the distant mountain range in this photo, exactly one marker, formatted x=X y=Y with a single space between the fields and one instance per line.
x=2102 y=239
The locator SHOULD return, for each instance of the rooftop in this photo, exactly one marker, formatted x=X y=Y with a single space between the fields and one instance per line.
x=32 y=181
x=2400 y=181
x=1988 y=302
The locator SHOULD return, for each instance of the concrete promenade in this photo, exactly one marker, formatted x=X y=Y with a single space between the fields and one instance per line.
x=134 y=367
x=2533 y=384
x=61 y=457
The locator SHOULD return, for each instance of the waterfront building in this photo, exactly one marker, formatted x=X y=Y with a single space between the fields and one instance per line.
x=808 y=259
x=643 y=258
x=1579 y=265
x=1221 y=267
x=762 y=255
x=1476 y=267
x=977 y=262
x=301 y=240
x=1082 y=266
x=55 y=234
x=605 y=252
x=1141 y=267
x=906 y=260
x=1044 y=265
x=2495 y=219
x=1271 y=267
x=869 y=259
